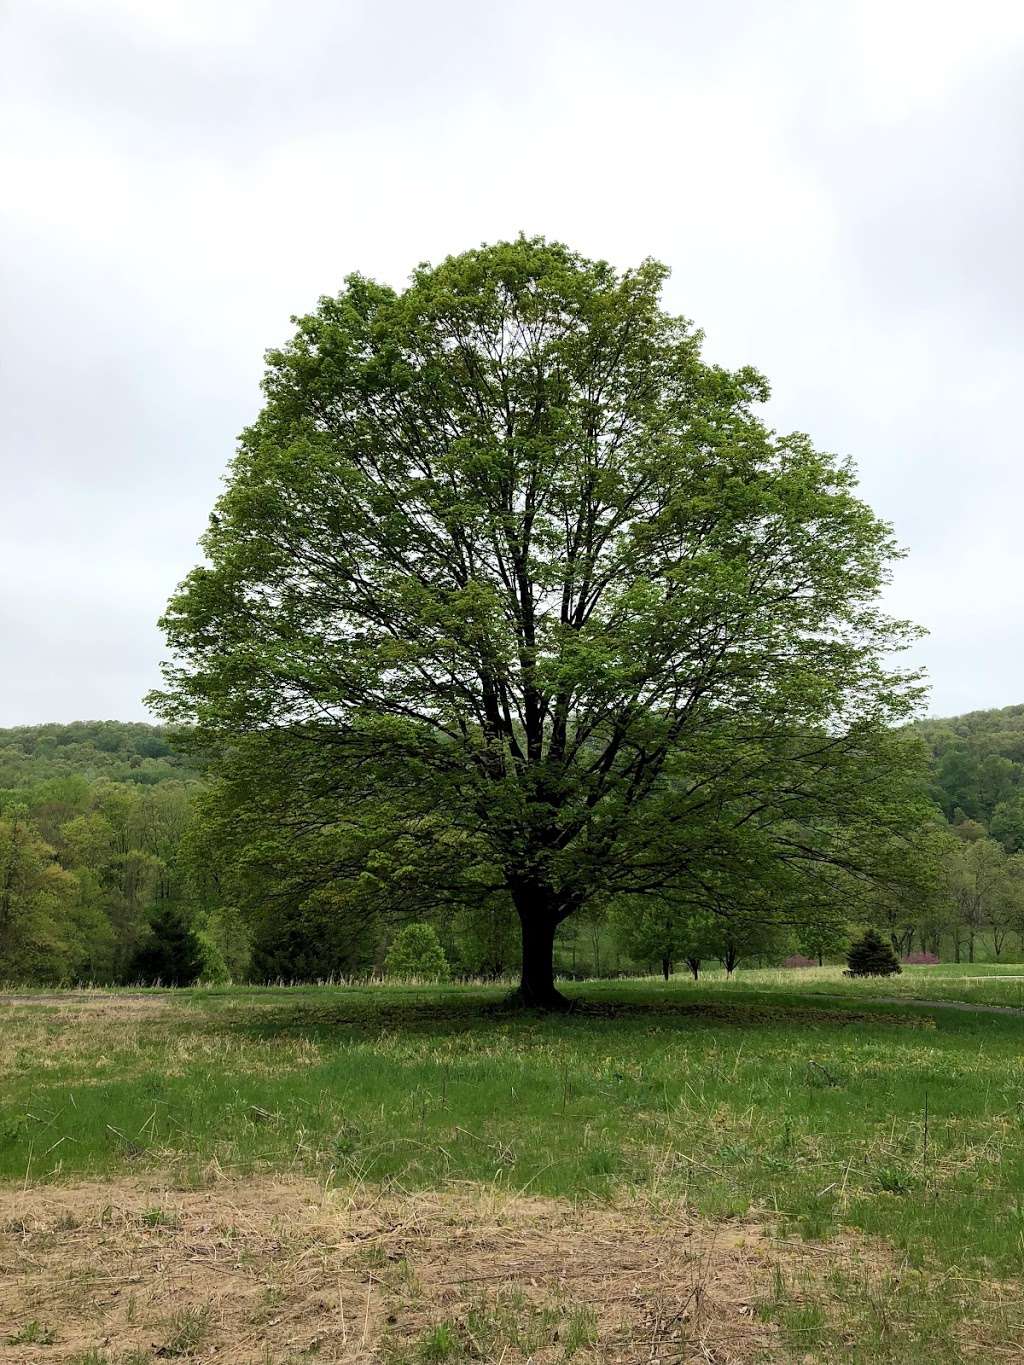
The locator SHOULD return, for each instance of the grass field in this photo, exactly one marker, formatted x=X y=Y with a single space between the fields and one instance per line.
x=783 y=1166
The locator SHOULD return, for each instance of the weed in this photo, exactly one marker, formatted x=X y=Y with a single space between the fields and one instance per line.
x=102 y=1358
x=158 y=1218
x=893 y=1180
x=440 y=1343
x=580 y=1331
x=33 y=1334
x=187 y=1329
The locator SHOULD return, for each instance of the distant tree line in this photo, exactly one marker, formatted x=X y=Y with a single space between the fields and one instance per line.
x=136 y=869
x=93 y=880
x=119 y=750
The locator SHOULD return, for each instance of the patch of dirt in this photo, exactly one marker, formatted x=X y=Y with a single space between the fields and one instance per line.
x=274 y=1270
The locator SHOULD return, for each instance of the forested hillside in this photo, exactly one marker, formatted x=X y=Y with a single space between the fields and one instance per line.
x=119 y=750
x=978 y=770
x=93 y=824
x=112 y=870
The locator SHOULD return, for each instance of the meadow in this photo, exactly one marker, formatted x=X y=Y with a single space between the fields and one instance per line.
x=785 y=1165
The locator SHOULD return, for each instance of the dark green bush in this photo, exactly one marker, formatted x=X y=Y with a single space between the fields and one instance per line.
x=872 y=956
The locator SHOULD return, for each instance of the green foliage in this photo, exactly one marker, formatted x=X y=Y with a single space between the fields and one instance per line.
x=665 y=935
x=213 y=969
x=1007 y=824
x=485 y=938
x=978 y=761
x=416 y=953
x=870 y=956
x=319 y=938
x=230 y=939
x=985 y=890
x=171 y=954
x=117 y=846
x=823 y=939
x=511 y=592
x=118 y=750
x=317 y=897
x=36 y=900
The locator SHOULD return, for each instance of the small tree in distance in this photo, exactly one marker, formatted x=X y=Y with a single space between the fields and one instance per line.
x=171 y=955
x=417 y=952
x=872 y=956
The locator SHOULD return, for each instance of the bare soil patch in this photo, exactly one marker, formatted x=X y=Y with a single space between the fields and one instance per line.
x=282 y=1270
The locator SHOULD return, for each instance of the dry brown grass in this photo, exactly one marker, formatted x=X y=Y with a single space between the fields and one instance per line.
x=275 y=1270
x=113 y=1004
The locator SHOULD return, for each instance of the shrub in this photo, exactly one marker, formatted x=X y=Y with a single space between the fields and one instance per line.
x=921 y=960
x=416 y=951
x=798 y=960
x=872 y=957
x=214 y=970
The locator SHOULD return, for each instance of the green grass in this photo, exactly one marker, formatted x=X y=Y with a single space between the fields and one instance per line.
x=762 y=1093
x=491 y=1329
x=187 y=1330
x=34 y=1333
x=974 y=983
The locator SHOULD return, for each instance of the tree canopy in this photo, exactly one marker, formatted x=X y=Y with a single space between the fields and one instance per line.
x=978 y=769
x=122 y=751
x=508 y=580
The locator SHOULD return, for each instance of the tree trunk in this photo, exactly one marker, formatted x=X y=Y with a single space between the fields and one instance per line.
x=694 y=965
x=666 y=967
x=537 y=982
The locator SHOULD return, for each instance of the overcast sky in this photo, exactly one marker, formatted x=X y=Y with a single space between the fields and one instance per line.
x=838 y=189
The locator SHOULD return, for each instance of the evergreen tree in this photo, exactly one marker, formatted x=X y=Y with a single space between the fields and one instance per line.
x=313 y=940
x=872 y=956
x=171 y=954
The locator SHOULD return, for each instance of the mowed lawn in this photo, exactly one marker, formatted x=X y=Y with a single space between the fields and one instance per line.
x=885 y=1138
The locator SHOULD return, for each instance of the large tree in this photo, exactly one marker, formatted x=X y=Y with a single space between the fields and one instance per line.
x=506 y=568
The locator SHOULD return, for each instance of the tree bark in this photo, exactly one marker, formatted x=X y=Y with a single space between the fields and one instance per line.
x=666 y=967
x=537 y=988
